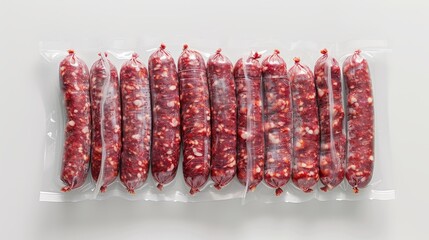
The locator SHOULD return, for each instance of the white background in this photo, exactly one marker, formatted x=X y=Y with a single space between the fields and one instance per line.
x=22 y=125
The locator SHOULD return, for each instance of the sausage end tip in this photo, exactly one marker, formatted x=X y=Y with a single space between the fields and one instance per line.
x=131 y=191
x=66 y=189
x=103 y=189
x=279 y=191
x=218 y=186
x=193 y=191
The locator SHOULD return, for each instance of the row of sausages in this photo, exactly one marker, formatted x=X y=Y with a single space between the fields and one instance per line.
x=254 y=120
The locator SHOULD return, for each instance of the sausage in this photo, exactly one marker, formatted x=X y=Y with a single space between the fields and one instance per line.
x=327 y=77
x=195 y=114
x=360 y=121
x=250 y=139
x=277 y=122
x=306 y=144
x=164 y=87
x=74 y=81
x=106 y=122
x=223 y=104
x=136 y=124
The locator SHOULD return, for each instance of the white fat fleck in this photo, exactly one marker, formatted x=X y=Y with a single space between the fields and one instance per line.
x=174 y=122
x=308 y=130
x=353 y=100
x=75 y=111
x=172 y=87
x=352 y=167
x=139 y=175
x=85 y=129
x=371 y=158
x=320 y=92
x=62 y=68
x=170 y=103
x=117 y=127
x=171 y=167
x=140 y=163
x=136 y=136
x=71 y=123
x=196 y=153
x=273 y=138
x=303 y=165
x=169 y=152
x=138 y=102
x=369 y=100
x=245 y=135
x=258 y=169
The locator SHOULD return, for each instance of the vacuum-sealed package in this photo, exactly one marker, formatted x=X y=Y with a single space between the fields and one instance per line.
x=268 y=122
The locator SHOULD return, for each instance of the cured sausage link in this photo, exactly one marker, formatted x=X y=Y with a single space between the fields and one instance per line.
x=306 y=144
x=360 y=121
x=224 y=119
x=74 y=81
x=277 y=122
x=106 y=122
x=195 y=114
x=164 y=87
x=327 y=77
x=250 y=139
x=136 y=124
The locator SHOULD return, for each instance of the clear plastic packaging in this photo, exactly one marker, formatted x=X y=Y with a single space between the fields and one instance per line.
x=164 y=174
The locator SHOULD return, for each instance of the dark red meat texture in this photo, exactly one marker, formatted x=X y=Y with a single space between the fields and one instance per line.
x=164 y=86
x=331 y=115
x=106 y=118
x=360 y=121
x=250 y=139
x=136 y=124
x=278 y=122
x=224 y=119
x=306 y=145
x=74 y=81
x=195 y=115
